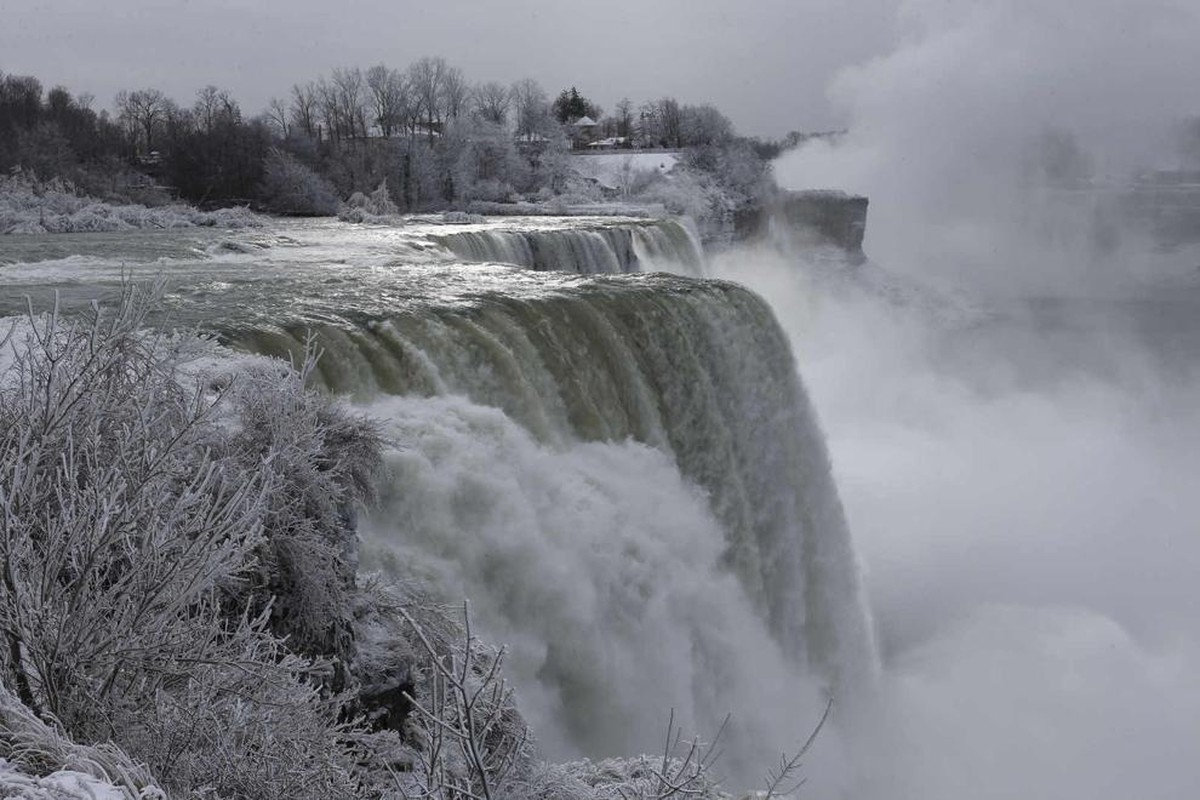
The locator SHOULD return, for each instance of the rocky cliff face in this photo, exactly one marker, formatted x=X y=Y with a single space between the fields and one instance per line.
x=812 y=218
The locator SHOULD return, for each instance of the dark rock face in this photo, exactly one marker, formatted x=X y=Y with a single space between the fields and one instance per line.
x=811 y=218
x=386 y=703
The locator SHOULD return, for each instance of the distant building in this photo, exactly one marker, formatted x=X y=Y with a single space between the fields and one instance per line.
x=611 y=143
x=583 y=132
x=528 y=143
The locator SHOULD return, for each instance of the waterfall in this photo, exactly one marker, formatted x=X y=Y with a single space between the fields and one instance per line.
x=667 y=245
x=628 y=480
x=621 y=471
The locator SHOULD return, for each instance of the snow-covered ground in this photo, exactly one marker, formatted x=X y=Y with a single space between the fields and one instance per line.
x=61 y=785
x=614 y=169
x=54 y=208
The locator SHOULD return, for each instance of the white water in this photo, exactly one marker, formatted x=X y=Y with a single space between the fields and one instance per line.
x=622 y=472
x=662 y=246
x=543 y=486
x=598 y=565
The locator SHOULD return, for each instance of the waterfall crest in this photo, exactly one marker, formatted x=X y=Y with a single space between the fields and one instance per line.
x=667 y=245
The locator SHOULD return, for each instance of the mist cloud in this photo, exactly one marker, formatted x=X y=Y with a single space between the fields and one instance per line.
x=948 y=131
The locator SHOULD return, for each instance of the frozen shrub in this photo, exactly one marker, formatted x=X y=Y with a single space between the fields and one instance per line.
x=463 y=734
x=31 y=206
x=29 y=747
x=138 y=521
x=375 y=207
x=289 y=187
x=321 y=463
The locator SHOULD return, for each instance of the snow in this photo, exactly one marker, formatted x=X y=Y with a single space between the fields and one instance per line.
x=64 y=785
x=28 y=208
x=607 y=168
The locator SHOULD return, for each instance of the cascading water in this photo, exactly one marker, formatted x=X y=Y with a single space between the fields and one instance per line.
x=667 y=245
x=622 y=472
x=591 y=465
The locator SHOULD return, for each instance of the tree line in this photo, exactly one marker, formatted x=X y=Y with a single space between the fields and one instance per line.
x=433 y=138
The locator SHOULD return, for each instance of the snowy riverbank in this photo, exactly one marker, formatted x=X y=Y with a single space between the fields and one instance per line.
x=27 y=206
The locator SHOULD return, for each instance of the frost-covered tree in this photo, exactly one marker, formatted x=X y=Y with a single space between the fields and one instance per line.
x=704 y=125
x=485 y=164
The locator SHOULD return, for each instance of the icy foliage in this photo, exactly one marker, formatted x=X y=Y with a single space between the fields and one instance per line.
x=29 y=747
x=289 y=187
x=375 y=207
x=147 y=524
x=643 y=778
x=323 y=460
x=28 y=206
x=463 y=734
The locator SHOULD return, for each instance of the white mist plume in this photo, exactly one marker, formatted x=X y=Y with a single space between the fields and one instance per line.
x=1020 y=483
x=1028 y=531
x=960 y=134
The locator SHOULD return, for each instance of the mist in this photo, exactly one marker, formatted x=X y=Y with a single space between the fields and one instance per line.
x=970 y=136
x=1008 y=390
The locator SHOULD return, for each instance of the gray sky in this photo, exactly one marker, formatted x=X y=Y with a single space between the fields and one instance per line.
x=765 y=63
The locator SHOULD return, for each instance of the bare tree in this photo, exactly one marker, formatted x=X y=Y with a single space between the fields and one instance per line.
x=143 y=111
x=671 y=121
x=426 y=77
x=389 y=98
x=455 y=92
x=348 y=87
x=624 y=116
x=304 y=107
x=704 y=125
x=277 y=116
x=329 y=109
x=530 y=106
x=779 y=777
x=215 y=105
x=491 y=101
x=467 y=717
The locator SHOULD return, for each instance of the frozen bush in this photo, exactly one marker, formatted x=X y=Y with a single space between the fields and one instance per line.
x=321 y=462
x=289 y=187
x=31 y=206
x=143 y=527
x=375 y=207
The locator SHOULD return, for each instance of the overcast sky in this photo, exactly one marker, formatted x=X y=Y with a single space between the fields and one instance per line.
x=765 y=63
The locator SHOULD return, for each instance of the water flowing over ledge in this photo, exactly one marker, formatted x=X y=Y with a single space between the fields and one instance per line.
x=623 y=471
x=668 y=245
x=698 y=370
